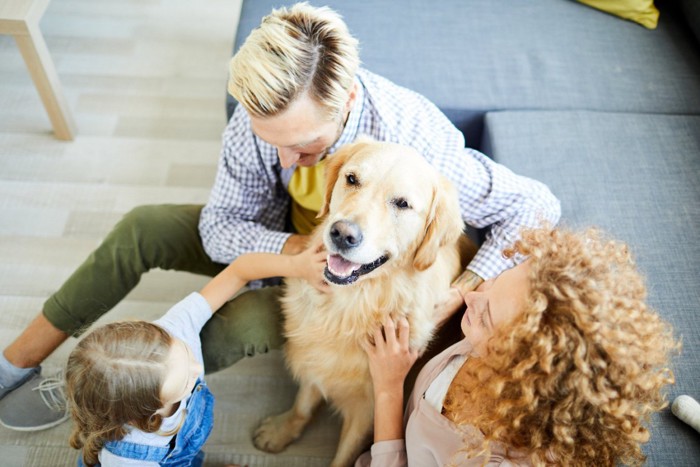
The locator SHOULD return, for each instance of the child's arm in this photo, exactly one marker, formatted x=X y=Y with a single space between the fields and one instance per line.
x=308 y=264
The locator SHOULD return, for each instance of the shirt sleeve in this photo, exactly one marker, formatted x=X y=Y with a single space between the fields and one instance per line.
x=490 y=195
x=493 y=196
x=248 y=205
x=391 y=453
x=191 y=314
x=186 y=319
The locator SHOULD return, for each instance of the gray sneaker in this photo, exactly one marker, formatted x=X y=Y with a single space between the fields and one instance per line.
x=36 y=405
x=5 y=390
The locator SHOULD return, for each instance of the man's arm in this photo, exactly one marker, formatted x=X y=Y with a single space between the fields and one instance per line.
x=467 y=281
x=494 y=197
x=454 y=300
x=247 y=207
x=491 y=196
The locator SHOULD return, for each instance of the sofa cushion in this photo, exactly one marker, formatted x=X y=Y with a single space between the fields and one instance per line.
x=638 y=178
x=641 y=11
x=691 y=12
x=473 y=56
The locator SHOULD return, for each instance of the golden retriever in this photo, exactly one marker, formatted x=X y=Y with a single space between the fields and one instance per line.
x=393 y=233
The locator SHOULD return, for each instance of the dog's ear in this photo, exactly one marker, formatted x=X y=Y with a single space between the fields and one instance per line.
x=443 y=226
x=333 y=166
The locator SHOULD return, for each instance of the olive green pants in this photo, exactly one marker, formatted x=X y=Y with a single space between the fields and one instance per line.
x=165 y=237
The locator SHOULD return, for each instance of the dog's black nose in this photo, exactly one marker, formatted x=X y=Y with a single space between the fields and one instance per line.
x=345 y=235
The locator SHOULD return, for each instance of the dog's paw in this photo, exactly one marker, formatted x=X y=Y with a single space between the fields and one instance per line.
x=274 y=434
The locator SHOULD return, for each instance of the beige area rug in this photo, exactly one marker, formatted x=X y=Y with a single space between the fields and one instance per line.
x=145 y=80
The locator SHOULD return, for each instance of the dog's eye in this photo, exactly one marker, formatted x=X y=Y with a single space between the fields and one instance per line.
x=401 y=203
x=351 y=179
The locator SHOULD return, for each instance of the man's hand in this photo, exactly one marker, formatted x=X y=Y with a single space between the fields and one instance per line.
x=454 y=300
x=467 y=282
x=450 y=304
x=310 y=264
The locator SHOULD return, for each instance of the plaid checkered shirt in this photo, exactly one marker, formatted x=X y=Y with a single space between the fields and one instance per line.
x=248 y=206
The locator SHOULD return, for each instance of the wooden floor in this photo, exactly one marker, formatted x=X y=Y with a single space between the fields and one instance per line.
x=145 y=80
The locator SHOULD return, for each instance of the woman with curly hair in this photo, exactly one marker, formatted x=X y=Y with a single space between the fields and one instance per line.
x=562 y=363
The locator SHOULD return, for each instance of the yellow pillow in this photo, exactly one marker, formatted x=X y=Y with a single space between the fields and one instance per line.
x=641 y=11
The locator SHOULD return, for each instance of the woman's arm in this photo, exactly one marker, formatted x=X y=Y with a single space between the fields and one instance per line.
x=308 y=265
x=390 y=359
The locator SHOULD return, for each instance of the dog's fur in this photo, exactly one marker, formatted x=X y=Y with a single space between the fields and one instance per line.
x=385 y=206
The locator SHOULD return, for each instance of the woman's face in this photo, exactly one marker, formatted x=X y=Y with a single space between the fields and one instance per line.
x=494 y=304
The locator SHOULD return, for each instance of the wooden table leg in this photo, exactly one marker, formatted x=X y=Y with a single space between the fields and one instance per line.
x=36 y=55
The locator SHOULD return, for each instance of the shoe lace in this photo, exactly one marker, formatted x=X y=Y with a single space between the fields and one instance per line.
x=51 y=392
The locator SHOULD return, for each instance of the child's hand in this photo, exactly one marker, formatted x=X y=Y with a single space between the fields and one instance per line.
x=310 y=264
x=390 y=357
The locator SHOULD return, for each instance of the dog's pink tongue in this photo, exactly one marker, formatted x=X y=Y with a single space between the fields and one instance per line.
x=340 y=266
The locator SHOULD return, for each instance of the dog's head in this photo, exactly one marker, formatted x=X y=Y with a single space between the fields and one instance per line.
x=387 y=207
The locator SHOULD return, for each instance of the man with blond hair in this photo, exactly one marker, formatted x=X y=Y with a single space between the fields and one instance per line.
x=302 y=94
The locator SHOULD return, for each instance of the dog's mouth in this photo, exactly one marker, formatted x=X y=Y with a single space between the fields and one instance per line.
x=343 y=272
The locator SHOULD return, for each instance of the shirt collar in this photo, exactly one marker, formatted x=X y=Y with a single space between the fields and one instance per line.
x=352 y=126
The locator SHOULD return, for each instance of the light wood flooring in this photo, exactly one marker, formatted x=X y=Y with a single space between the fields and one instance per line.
x=145 y=80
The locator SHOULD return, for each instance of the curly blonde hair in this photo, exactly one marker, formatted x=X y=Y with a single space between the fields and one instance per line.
x=573 y=379
x=295 y=50
x=114 y=377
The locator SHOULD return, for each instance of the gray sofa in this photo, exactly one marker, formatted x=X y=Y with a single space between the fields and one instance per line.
x=604 y=111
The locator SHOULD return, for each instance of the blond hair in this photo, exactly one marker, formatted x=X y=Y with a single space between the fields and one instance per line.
x=293 y=51
x=114 y=377
x=573 y=379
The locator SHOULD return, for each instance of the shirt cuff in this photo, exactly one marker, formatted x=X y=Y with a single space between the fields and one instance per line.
x=489 y=262
x=390 y=452
x=271 y=242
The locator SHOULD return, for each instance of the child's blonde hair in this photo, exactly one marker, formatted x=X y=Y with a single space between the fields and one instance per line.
x=295 y=50
x=114 y=377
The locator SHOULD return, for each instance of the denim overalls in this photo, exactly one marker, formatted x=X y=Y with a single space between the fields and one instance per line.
x=188 y=442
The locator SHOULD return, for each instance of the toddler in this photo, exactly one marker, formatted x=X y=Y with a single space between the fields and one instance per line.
x=136 y=389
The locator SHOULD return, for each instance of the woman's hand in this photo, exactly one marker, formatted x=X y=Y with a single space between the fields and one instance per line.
x=390 y=359
x=309 y=265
